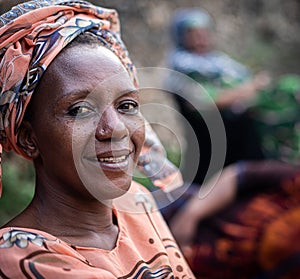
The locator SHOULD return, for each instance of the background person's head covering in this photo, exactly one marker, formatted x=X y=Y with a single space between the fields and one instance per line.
x=187 y=18
x=31 y=35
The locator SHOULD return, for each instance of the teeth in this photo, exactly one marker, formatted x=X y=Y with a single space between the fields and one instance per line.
x=113 y=159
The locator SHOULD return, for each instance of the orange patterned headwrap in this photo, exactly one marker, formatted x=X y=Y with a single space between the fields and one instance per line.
x=31 y=36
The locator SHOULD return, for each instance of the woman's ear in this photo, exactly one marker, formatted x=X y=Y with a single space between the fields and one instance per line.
x=26 y=140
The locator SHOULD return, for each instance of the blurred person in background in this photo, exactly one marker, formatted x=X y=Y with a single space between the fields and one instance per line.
x=229 y=83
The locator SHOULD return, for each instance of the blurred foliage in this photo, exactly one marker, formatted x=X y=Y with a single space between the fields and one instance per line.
x=277 y=118
x=18 y=189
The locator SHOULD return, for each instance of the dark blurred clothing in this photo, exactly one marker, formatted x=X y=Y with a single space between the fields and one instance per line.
x=242 y=140
x=258 y=235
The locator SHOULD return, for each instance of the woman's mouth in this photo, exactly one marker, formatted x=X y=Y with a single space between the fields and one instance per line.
x=113 y=159
x=113 y=162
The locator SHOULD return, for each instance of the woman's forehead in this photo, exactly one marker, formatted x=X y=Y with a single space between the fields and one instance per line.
x=84 y=70
x=87 y=58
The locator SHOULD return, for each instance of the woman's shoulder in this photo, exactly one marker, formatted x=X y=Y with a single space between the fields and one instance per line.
x=18 y=246
x=30 y=253
x=21 y=237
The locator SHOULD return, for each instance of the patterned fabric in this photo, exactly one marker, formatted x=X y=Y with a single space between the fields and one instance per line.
x=154 y=164
x=36 y=254
x=31 y=35
x=257 y=236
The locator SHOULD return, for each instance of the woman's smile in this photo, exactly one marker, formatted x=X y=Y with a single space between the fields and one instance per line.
x=118 y=160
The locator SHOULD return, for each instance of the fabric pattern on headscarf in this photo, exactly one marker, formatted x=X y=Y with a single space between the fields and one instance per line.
x=31 y=35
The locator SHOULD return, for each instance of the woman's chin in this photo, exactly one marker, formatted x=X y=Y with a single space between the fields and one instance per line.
x=108 y=188
x=106 y=183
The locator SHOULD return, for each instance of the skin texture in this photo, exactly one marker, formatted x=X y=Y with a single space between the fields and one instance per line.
x=91 y=114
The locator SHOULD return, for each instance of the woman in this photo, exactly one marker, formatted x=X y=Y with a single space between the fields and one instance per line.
x=69 y=102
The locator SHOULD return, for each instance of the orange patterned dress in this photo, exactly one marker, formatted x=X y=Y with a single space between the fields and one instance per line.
x=144 y=249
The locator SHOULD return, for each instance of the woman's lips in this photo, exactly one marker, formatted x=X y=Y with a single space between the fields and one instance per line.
x=112 y=162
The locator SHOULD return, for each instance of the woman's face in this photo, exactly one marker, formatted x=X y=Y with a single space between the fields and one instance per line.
x=87 y=124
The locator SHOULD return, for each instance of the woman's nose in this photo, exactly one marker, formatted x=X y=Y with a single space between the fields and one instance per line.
x=110 y=126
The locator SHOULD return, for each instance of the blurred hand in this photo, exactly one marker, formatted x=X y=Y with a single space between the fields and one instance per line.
x=247 y=92
x=261 y=80
x=243 y=95
x=251 y=88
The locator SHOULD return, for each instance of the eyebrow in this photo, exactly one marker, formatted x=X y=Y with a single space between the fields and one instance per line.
x=130 y=91
x=85 y=93
x=75 y=94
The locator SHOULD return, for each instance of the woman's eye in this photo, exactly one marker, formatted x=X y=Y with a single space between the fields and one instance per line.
x=129 y=107
x=80 y=111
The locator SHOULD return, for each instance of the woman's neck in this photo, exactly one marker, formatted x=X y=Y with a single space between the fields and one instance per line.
x=78 y=221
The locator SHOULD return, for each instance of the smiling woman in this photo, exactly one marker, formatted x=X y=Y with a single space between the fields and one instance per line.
x=94 y=124
x=69 y=102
